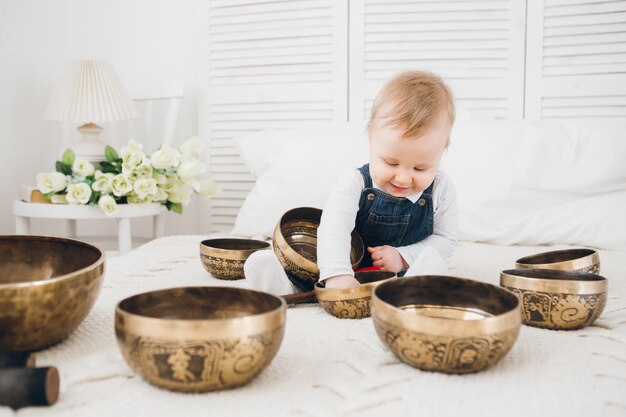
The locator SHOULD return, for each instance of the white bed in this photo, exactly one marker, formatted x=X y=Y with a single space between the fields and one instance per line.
x=517 y=183
x=332 y=367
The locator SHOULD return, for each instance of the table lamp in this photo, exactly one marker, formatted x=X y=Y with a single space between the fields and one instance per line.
x=90 y=93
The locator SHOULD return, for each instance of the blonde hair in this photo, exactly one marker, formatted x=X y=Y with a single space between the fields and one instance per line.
x=412 y=100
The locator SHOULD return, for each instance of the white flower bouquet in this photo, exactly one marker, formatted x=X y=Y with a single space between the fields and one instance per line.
x=168 y=176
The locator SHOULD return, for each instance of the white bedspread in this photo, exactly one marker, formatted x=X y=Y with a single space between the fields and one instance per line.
x=332 y=367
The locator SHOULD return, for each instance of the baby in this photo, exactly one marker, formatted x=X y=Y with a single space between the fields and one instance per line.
x=403 y=207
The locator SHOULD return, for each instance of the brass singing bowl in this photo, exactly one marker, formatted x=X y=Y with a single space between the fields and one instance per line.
x=48 y=285
x=558 y=300
x=445 y=324
x=197 y=339
x=578 y=260
x=224 y=258
x=352 y=302
x=295 y=245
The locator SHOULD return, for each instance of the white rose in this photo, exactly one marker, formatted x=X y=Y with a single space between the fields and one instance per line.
x=120 y=185
x=208 y=188
x=59 y=199
x=108 y=205
x=159 y=178
x=191 y=148
x=51 y=182
x=102 y=184
x=171 y=181
x=187 y=172
x=179 y=194
x=82 y=167
x=165 y=157
x=142 y=171
x=144 y=187
x=133 y=198
x=160 y=196
x=78 y=193
x=132 y=159
x=131 y=147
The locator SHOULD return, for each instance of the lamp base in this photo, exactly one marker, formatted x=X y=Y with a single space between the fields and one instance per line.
x=89 y=147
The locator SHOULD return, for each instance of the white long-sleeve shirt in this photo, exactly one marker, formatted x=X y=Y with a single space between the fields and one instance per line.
x=339 y=217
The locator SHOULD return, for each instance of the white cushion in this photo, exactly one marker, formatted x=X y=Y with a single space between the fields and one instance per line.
x=294 y=168
x=527 y=183
x=517 y=182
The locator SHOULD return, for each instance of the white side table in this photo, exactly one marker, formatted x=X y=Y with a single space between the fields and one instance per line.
x=23 y=212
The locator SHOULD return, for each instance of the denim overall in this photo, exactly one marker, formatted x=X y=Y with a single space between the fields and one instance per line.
x=383 y=219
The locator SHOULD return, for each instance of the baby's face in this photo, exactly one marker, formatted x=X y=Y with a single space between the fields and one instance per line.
x=402 y=166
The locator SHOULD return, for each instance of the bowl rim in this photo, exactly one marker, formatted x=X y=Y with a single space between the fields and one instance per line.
x=281 y=242
x=456 y=328
x=554 y=281
x=173 y=328
x=578 y=262
x=241 y=254
x=350 y=293
x=92 y=266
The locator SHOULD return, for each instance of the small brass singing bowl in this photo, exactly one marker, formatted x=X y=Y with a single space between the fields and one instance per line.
x=224 y=258
x=198 y=339
x=445 y=324
x=295 y=245
x=577 y=260
x=557 y=300
x=48 y=285
x=352 y=302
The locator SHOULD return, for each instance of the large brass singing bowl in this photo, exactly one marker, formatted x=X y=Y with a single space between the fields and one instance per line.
x=224 y=258
x=295 y=245
x=445 y=324
x=196 y=339
x=352 y=302
x=47 y=288
x=577 y=260
x=558 y=300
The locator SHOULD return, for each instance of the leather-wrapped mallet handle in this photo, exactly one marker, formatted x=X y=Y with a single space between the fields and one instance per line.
x=16 y=359
x=22 y=387
x=301 y=297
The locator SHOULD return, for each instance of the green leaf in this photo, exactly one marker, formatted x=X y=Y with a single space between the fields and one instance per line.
x=63 y=168
x=111 y=167
x=110 y=154
x=175 y=207
x=68 y=157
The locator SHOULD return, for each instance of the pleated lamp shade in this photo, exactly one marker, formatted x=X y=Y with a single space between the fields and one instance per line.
x=90 y=93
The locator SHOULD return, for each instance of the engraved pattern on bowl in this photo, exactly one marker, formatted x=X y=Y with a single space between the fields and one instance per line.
x=446 y=324
x=224 y=258
x=48 y=286
x=353 y=302
x=198 y=339
x=557 y=300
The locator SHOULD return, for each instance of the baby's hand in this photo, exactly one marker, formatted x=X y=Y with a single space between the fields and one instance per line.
x=341 y=281
x=387 y=258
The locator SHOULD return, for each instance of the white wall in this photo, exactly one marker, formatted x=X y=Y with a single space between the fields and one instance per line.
x=143 y=39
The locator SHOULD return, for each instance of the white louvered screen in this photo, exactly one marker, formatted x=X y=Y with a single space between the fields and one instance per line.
x=576 y=62
x=476 y=46
x=271 y=64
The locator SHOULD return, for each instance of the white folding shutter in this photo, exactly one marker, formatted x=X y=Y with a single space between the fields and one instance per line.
x=476 y=46
x=271 y=64
x=576 y=62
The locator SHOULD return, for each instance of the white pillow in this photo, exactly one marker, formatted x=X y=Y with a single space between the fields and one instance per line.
x=526 y=183
x=294 y=168
x=517 y=182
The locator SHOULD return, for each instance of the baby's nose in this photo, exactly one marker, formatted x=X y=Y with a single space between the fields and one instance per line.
x=402 y=178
